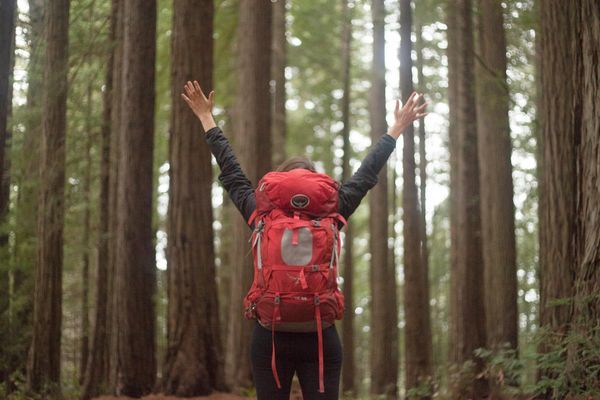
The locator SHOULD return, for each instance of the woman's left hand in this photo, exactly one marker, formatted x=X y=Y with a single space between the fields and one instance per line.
x=405 y=116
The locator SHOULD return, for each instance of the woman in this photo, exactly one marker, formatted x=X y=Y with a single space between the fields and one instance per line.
x=296 y=350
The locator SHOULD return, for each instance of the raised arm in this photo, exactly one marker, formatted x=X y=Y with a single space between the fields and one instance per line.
x=232 y=177
x=355 y=189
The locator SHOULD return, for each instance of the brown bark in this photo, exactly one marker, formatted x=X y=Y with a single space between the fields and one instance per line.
x=97 y=369
x=497 y=208
x=43 y=370
x=252 y=130
x=193 y=364
x=384 y=366
x=569 y=193
x=85 y=270
x=348 y=368
x=96 y=372
x=279 y=60
x=417 y=330
x=135 y=263
x=467 y=282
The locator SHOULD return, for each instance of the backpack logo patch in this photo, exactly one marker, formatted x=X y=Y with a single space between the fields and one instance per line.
x=300 y=201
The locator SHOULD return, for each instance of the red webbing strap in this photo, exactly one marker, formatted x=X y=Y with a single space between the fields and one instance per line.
x=276 y=316
x=295 y=230
x=320 y=339
x=252 y=217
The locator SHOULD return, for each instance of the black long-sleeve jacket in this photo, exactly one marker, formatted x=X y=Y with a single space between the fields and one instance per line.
x=351 y=193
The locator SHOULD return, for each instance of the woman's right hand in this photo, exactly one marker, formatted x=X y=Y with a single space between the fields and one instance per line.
x=200 y=105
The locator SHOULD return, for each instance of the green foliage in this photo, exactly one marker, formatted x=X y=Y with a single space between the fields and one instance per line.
x=569 y=364
x=502 y=369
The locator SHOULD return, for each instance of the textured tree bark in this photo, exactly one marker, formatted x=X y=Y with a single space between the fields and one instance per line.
x=279 y=60
x=7 y=60
x=85 y=262
x=118 y=9
x=569 y=192
x=384 y=366
x=497 y=208
x=417 y=330
x=43 y=370
x=348 y=369
x=467 y=283
x=96 y=369
x=193 y=363
x=252 y=131
x=135 y=263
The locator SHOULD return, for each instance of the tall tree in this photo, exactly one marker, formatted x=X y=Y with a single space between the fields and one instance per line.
x=569 y=192
x=135 y=259
x=467 y=302
x=348 y=368
x=252 y=143
x=279 y=58
x=193 y=363
x=98 y=366
x=417 y=330
x=44 y=356
x=7 y=41
x=497 y=207
x=384 y=367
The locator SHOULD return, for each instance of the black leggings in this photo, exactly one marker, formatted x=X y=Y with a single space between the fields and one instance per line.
x=295 y=353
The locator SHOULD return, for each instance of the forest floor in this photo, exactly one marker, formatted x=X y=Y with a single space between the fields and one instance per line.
x=296 y=394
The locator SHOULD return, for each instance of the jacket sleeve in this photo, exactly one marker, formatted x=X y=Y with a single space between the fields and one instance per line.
x=232 y=177
x=352 y=192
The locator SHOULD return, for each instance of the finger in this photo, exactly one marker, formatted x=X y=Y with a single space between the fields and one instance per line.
x=211 y=96
x=409 y=102
x=421 y=115
x=187 y=99
x=421 y=107
x=199 y=89
x=397 y=106
x=189 y=90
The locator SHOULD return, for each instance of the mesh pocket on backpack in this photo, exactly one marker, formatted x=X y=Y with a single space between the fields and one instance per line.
x=300 y=253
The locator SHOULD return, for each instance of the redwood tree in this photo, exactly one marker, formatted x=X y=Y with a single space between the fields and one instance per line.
x=135 y=260
x=252 y=144
x=497 y=207
x=569 y=192
x=279 y=60
x=43 y=370
x=467 y=323
x=348 y=370
x=384 y=332
x=417 y=330
x=193 y=363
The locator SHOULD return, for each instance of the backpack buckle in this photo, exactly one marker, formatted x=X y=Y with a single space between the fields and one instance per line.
x=317 y=301
x=315 y=268
x=277 y=300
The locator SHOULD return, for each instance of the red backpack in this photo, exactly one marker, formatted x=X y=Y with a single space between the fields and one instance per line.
x=296 y=248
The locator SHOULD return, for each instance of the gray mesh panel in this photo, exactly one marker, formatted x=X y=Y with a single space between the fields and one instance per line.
x=299 y=254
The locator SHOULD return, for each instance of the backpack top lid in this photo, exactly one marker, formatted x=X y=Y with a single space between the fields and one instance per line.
x=300 y=190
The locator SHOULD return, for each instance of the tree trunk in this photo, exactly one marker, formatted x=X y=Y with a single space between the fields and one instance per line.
x=252 y=127
x=383 y=365
x=497 y=208
x=7 y=60
x=278 y=76
x=98 y=366
x=85 y=270
x=569 y=193
x=193 y=363
x=467 y=286
x=348 y=370
x=44 y=356
x=417 y=330
x=135 y=263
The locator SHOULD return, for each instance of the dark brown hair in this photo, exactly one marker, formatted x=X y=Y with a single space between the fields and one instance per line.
x=296 y=162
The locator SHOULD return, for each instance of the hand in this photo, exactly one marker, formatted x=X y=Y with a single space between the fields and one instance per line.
x=200 y=105
x=406 y=115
